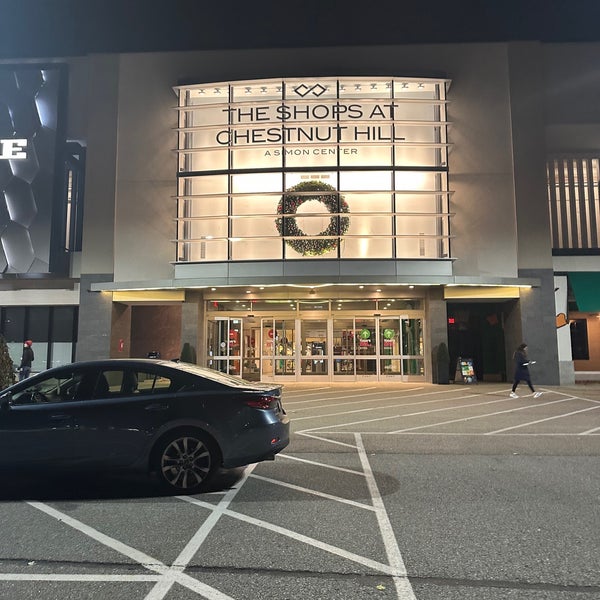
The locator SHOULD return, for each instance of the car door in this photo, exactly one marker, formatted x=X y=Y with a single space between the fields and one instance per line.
x=36 y=425
x=117 y=420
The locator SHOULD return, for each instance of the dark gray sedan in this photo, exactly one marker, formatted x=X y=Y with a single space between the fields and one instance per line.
x=176 y=419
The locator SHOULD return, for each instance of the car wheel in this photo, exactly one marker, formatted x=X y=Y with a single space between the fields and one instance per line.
x=186 y=461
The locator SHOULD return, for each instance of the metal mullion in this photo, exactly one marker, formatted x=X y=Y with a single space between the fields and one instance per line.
x=574 y=225
x=584 y=238
x=562 y=190
x=551 y=166
x=592 y=197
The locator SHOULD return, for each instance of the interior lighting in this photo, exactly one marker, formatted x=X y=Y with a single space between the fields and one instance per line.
x=263 y=90
x=404 y=85
x=217 y=90
x=248 y=291
x=411 y=287
x=388 y=85
x=342 y=88
x=377 y=290
x=279 y=88
x=421 y=86
x=248 y=90
x=358 y=87
x=373 y=86
x=202 y=92
x=213 y=289
x=361 y=287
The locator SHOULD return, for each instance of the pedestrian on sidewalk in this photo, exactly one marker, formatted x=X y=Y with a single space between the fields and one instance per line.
x=522 y=363
x=26 y=360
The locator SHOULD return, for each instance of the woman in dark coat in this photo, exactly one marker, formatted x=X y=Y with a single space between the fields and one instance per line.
x=522 y=371
x=26 y=360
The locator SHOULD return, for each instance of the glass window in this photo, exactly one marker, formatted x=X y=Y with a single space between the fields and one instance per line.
x=13 y=324
x=579 y=339
x=331 y=129
x=63 y=323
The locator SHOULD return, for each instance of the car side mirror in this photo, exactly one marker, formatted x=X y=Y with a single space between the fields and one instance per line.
x=6 y=401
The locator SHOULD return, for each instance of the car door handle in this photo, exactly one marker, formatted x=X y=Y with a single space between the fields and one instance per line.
x=157 y=406
x=60 y=417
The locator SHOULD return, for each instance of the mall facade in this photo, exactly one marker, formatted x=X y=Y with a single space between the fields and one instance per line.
x=313 y=214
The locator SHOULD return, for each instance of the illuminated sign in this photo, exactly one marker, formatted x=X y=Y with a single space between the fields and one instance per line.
x=314 y=132
x=13 y=149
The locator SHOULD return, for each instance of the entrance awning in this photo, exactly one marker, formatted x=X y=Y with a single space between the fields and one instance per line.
x=586 y=287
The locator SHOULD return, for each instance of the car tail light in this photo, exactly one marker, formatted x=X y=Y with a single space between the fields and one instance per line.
x=263 y=402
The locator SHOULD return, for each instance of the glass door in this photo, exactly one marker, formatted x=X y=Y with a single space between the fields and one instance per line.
x=278 y=348
x=225 y=345
x=366 y=347
x=344 y=348
x=314 y=344
x=251 y=349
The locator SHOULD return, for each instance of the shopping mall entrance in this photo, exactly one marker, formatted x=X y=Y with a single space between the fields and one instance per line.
x=317 y=348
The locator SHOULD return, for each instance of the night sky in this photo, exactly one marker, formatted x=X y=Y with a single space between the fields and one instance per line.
x=39 y=28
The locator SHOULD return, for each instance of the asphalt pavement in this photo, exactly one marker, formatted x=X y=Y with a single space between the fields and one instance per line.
x=395 y=491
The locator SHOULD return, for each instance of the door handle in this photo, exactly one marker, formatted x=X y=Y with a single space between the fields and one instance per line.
x=157 y=406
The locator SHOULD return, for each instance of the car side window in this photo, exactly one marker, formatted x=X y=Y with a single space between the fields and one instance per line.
x=59 y=387
x=93 y=385
x=152 y=383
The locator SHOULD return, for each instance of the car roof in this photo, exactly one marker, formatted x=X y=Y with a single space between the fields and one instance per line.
x=182 y=367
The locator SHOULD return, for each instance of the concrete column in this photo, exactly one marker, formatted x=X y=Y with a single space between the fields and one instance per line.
x=436 y=328
x=191 y=323
x=95 y=315
x=538 y=321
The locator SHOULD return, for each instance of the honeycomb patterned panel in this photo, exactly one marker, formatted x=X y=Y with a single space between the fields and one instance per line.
x=29 y=99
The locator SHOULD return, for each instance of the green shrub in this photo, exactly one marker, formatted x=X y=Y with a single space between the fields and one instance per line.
x=7 y=368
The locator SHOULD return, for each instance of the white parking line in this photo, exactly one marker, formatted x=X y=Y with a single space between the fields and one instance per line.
x=313 y=462
x=500 y=412
x=378 y=398
x=403 y=586
x=169 y=575
x=329 y=441
x=398 y=416
x=79 y=577
x=361 y=560
x=314 y=492
x=543 y=420
x=320 y=399
x=590 y=431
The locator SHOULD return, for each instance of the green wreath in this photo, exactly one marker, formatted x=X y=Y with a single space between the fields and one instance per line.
x=287 y=226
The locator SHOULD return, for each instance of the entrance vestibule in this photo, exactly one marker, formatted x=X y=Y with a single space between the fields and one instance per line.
x=317 y=348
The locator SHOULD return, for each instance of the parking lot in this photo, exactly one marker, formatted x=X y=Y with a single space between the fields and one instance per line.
x=386 y=491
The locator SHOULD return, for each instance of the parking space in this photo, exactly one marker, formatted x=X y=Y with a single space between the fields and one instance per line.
x=408 y=491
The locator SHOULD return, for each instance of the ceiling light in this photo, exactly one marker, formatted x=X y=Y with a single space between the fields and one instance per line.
x=404 y=85
x=248 y=90
x=373 y=86
x=358 y=87
x=217 y=90
x=263 y=90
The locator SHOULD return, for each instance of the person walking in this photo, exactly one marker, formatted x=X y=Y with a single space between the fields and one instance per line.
x=522 y=363
x=26 y=360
